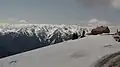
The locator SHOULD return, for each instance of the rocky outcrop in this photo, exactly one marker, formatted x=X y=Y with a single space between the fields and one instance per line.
x=100 y=30
x=116 y=36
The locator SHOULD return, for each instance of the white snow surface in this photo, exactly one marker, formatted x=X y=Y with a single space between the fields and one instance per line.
x=74 y=53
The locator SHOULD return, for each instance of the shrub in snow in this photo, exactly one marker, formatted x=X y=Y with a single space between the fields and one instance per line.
x=74 y=36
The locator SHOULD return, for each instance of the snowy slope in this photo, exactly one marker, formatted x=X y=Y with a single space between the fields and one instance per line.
x=17 y=38
x=75 y=53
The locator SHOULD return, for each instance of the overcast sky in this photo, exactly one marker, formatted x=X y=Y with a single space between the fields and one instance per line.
x=60 y=11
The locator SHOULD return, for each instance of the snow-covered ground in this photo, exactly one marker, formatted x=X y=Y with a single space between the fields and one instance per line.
x=74 y=53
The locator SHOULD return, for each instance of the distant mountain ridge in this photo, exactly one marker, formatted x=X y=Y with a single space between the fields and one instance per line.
x=17 y=38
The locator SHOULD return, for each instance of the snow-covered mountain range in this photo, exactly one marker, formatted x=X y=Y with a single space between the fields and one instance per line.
x=17 y=38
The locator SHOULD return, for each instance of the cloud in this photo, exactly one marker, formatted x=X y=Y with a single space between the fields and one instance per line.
x=95 y=22
x=100 y=3
x=23 y=21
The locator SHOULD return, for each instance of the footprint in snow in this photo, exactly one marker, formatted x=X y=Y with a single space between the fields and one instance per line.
x=108 y=45
x=78 y=54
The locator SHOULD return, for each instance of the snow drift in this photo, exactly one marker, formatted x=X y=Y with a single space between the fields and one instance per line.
x=16 y=38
